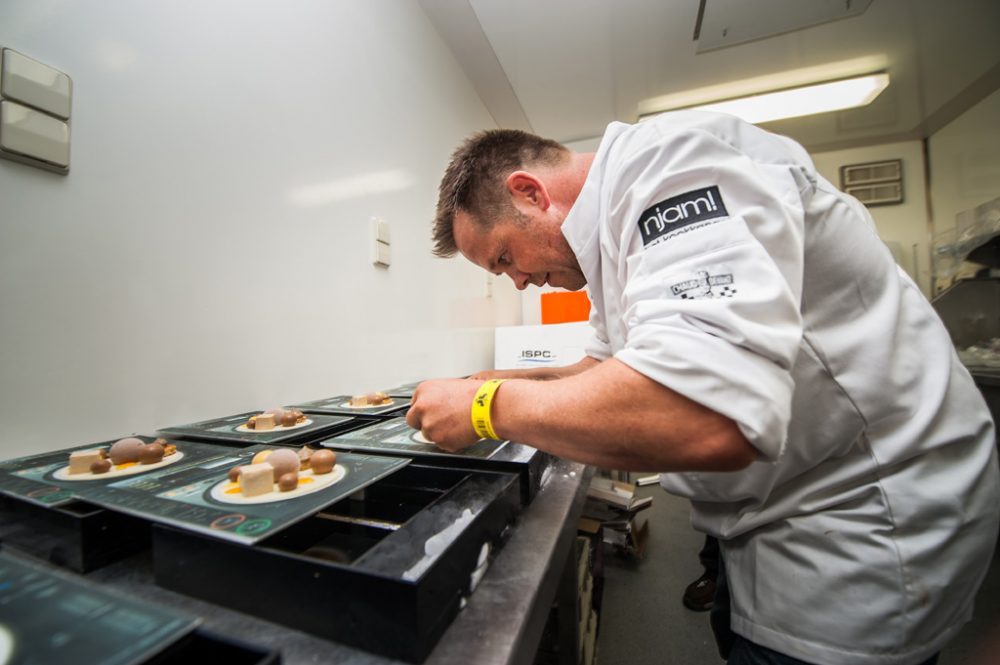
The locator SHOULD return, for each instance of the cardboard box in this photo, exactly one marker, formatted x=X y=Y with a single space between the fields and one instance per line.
x=524 y=347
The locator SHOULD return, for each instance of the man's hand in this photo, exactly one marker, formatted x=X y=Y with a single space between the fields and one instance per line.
x=442 y=411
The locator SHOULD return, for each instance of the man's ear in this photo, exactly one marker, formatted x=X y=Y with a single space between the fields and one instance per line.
x=527 y=190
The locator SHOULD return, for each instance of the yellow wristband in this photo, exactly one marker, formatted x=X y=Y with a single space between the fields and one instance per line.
x=481 y=409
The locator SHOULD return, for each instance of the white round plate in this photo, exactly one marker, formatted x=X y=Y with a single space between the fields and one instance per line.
x=229 y=492
x=348 y=405
x=420 y=438
x=6 y=645
x=119 y=470
x=276 y=428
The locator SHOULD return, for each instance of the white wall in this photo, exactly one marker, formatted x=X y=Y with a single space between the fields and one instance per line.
x=904 y=223
x=965 y=163
x=207 y=253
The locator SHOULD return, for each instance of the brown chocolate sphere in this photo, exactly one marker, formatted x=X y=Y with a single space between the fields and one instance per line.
x=151 y=453
x=322 y=461
x=284 y=461
x=234 y=473
x=288 y=481
x=126 y=450
x=289 y=418
x=101 y=466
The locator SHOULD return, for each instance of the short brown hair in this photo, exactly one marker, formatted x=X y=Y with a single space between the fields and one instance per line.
x=475 y=181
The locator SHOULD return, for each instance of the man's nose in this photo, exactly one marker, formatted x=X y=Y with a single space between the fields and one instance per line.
x=520 y=279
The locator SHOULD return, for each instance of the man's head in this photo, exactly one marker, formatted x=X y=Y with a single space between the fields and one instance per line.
x=501 y=203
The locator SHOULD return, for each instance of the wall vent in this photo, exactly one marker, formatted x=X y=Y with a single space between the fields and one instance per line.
x=874 y=183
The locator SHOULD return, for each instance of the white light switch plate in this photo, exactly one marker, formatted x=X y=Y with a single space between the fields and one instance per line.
x=30 y=133
x=380 y=230
x=35 y=84
x=380 y=254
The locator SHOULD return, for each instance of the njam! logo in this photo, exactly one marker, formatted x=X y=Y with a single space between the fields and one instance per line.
x=667 y=217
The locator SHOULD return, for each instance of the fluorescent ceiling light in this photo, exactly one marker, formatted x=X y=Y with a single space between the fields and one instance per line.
x=790 y=102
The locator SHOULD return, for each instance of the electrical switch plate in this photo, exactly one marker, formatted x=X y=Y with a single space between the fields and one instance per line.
x=379 y=242
x=380 y=230
x=33 y=137
x=380 y=254
x=34 y=84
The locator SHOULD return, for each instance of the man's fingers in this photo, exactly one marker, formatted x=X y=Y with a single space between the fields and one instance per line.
x=412 y=417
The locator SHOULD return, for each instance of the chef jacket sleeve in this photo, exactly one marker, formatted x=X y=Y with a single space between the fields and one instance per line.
x=711 y=245
x=597 y=345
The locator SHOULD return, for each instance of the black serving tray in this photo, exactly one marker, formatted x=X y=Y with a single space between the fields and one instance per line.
x=63 y=521
x=224 y=430
x=395 y=437
x=52 y=617
x=384 y=570
x=405 y=390
x=73 y=534
x=204 y=646
x=339 y=405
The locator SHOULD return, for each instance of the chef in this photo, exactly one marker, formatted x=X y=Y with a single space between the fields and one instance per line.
x=754 y=341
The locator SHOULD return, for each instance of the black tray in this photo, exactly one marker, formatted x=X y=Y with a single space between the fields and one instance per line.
x=405 y=390
x=204 y=646
x=336 y=406
x=55 y=520
x=53 y=617
x=75 y=534
x=395 y=437
x=224 y=430
x=357 y=572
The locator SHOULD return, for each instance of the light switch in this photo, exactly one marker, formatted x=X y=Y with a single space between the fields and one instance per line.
x=380 y=230
x=379 y=242
x=33 y=134
x=35 y=84
x=380 y=254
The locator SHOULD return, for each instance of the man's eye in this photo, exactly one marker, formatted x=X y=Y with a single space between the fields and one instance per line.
x=503 y=260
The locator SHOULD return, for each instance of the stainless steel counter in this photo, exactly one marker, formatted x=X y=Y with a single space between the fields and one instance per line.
x=501 y=623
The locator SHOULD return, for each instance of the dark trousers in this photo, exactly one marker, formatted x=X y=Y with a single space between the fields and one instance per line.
x=736 y=649
x=709 y=556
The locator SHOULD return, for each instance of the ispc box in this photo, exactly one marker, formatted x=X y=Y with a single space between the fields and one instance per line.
x=527 y=347
x=384 y=570
x=395 y=437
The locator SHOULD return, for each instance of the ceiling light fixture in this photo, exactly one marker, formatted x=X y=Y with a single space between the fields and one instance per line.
x=786 y=103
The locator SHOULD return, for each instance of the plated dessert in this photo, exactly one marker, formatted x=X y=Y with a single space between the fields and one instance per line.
x=278 y=474
x=275 y=419
x=124 y=457
x=369 y=400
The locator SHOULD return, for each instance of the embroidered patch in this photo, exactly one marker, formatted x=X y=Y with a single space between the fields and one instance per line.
x=705 y=286
x=668 y=217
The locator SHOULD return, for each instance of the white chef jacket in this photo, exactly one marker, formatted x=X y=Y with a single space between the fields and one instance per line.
x=721 y=265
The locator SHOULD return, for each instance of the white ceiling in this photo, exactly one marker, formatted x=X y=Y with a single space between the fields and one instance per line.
x=566 y=68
